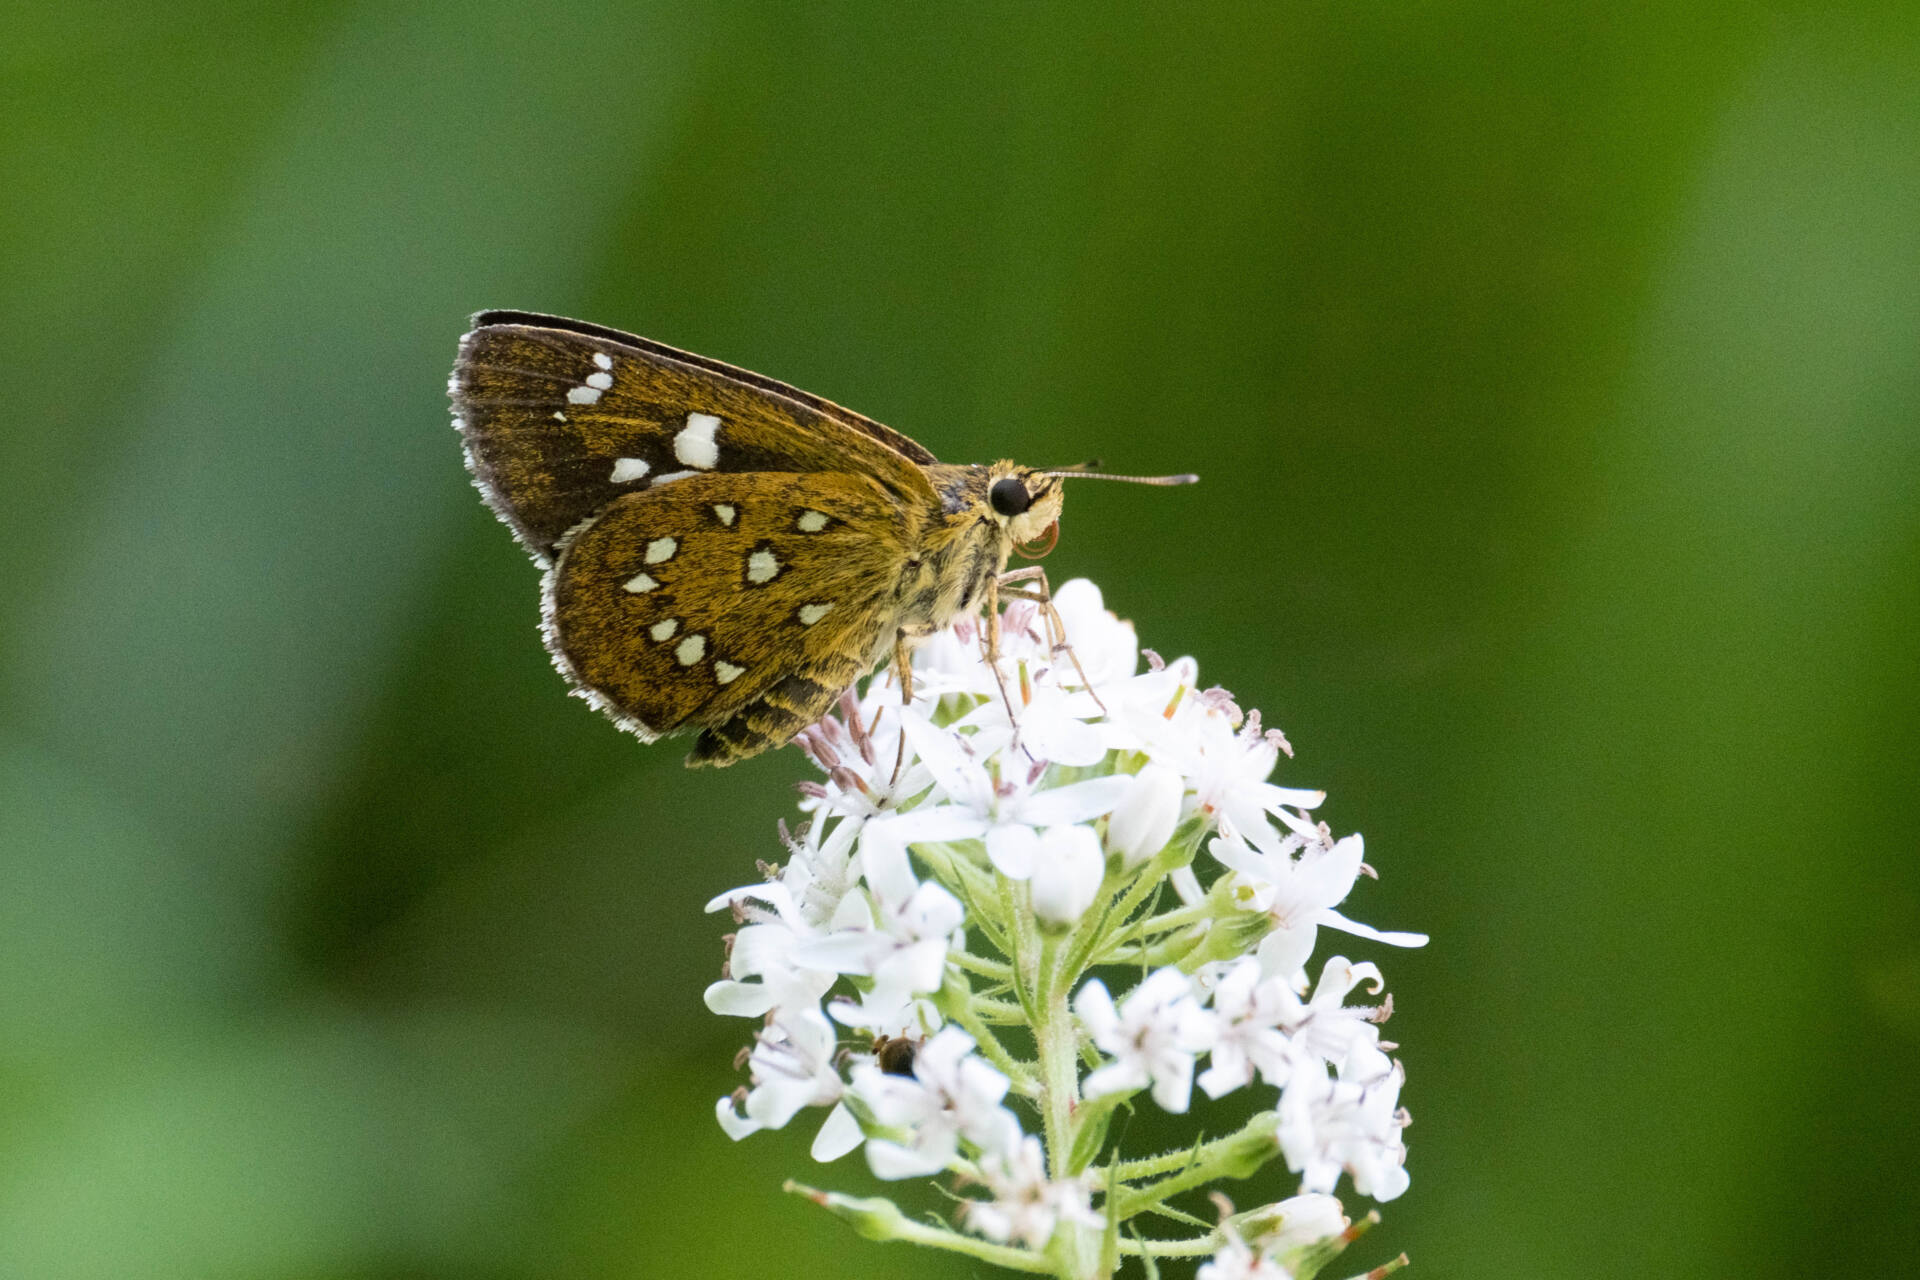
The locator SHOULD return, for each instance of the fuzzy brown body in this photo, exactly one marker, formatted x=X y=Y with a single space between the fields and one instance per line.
x=723 y=552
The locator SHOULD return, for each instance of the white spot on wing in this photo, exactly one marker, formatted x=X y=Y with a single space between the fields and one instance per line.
x=726 y=513
x=559 y=416
x=627 y=470
x=812 y=613
x=695 y=444
x=583 y=395
x=725 y=672
x=662 y=631
x=812 y=521
x=640 y=582
x=601 y=381
x=690 y=650
x=602 y=359
x=670 y=476
x=762 y=566
x=661 y=549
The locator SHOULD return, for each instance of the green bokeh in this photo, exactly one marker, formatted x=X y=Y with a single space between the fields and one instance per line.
x=1555 y=377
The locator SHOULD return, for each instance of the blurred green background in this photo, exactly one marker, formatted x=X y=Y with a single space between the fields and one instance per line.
x=1555 y=377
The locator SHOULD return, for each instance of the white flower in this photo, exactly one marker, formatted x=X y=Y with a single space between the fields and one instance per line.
x=860 y=752
x=1238 y=1261
x=1104 y=642
x=1153 y=1037
x=1351 y=1123
x=767 y=948
x=1051 y=722
x=1026 y=1206
x=791 y=1067
x=1067 y=871
x=1249 y=1011
x=1002 y=813
x=951 y=1095
x=1227 y=768
x=1325 y=1026
x=1304 y=1220
x=888 y=1011
x=1300 y=893
x=822 y=871
x=1146 y=816
x=903 y=944
x=895 y=910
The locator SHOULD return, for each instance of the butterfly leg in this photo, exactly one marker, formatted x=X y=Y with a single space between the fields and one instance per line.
x=1015 y=585
x=990 y=640
x=903 y=642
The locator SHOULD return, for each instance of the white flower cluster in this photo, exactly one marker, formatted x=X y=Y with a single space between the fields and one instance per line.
x=972 y=857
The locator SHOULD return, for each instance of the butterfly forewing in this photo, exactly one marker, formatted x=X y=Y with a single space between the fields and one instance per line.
x=560 y=419
x=738 y=604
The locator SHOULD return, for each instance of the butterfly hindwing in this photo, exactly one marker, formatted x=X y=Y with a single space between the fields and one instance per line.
x=561 y=418
x=738 y=604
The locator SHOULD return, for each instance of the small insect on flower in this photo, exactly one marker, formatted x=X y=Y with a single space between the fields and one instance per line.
x=723 y=552
x=894 y=1054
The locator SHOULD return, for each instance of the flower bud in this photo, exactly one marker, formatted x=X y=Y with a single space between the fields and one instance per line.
x=1144 y=820
x=1066 y=874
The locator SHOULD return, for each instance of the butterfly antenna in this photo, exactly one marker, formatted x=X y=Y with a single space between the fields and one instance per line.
x=1100 y=475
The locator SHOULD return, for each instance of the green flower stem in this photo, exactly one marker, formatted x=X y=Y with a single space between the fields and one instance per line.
x=879 y=1219
x=1169 y=950
x=1113 y=921
x=1236 y=1156
x=999 y=1012
x=1168 y=921
x=991 y=970
x=1153 y=1166
x=1024 y=952
x=1193 y=1247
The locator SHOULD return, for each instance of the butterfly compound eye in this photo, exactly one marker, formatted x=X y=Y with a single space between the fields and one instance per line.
x=1009 y=497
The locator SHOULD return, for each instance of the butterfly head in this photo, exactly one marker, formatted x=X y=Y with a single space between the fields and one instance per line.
x=1025 y=502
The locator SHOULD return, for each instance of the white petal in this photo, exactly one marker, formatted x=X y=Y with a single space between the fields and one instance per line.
x=1173 y=1083
x=1296 y=797
x=847 y=952
x=1227 y=1073
x=772 y=893
x=1012 y=848
x=918 y=968
x=891 y=1161
x=1308 y=1219
x=1067 y=875
x=1095 y=1008
x=732 y=1123
x=883 y=860
x=933 y=912
x=1163 y=986
x=1144 y=820
x=962 y=779
x=1065 y=740
x=1075 y=802
x=1285 y=951
x=838 y=1135
x=739 y=999
x=1115 y=1077
x=935 y=822
x=1333 y=919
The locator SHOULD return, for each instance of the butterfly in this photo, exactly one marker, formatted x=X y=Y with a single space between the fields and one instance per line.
x=724 y=553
